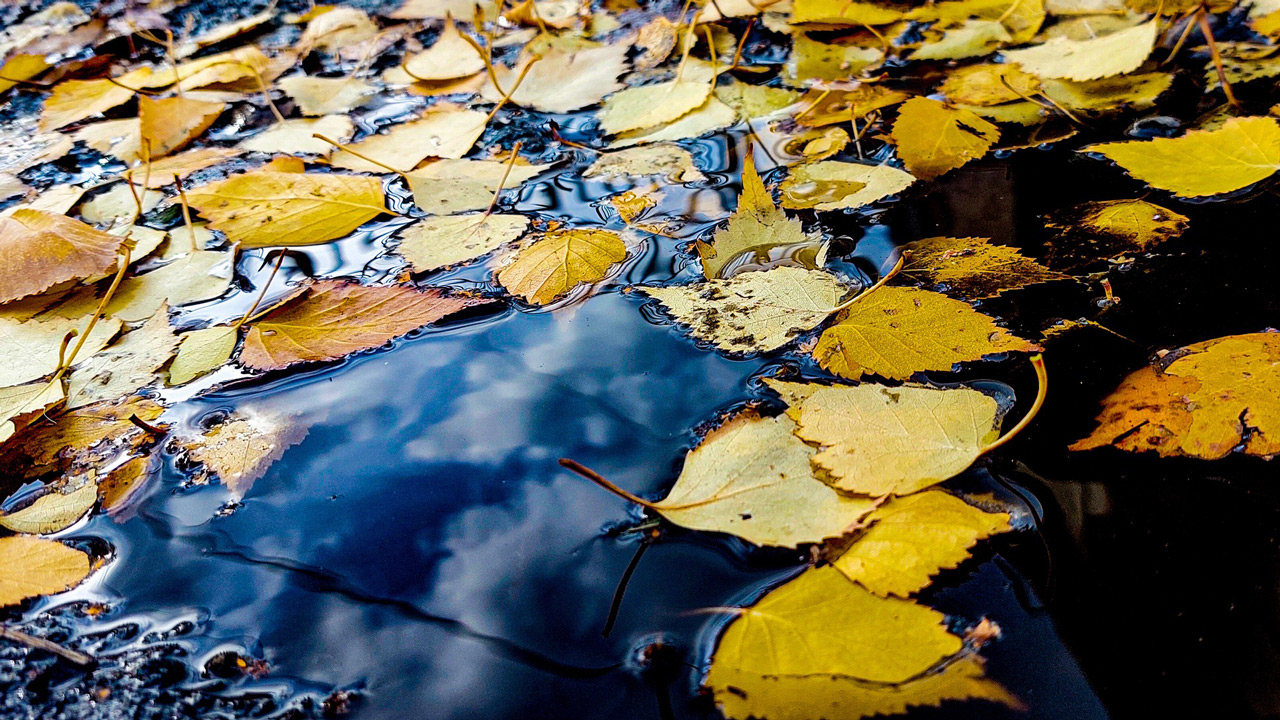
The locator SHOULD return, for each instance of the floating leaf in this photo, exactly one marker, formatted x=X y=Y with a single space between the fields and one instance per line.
x=755 y=311
x=449 y=57
x=188 y=279
x=934 y=138
x=560 y=261
x=713 y=115
x=813 y=60
x=240 y=450
x=913 y=538
x=76 y=100
x=451 y=186
x=972 y=38
x=128 y=365
x=643 y=107
x=879 y=440
x=39 y=250
x=436 y=242
x=21 y=67
x=671 y=161
x=52 y=512
x=1202 y=162
x=295 y=136
x=835 y=185
x=262 y=208
x=1114 y=54
x=1109 y=229
x=1215 y=397
x=755 y=101
x=985 y=84
x=331 y=319
x=164 y=171
x=896 y=332
x=973 y=267
x=123 y=484
x=563 y=81
x=829 y=107
x=318 y=96
x=81 y=437
x=439 y=133
x=842 y=12
x=168 y=125
x=754 y=227
x=202 y=351
x=30 y=567
x=1133 y=91
x=30 y=349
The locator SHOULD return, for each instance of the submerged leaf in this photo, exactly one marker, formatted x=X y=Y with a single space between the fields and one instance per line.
x=240 y=450
x=451 y=186
x=1107 y=230
x=835 y=185
x=561 y=260
x=973 y=267
x=671 y=161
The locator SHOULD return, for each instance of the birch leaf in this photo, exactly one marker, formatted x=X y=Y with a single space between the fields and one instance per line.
x=168 y=125
x=913 y=538
x=20 y=405
x=240 y=450
x=164 y=171
x=263 y=209
x=973 y=267
x=128 y=365
x=934 y=138
x=879 y=440
x=30 y=567
x=318 y=96
x=76 y=100
x=436 y=242
x=331 y=319
x=670 y=161
x=835 y=185
x=295 y=136
x=563 y=81
x=560 y=261
x=30 y=349
x=450 y=57
x=1109 y=229
x=201 y=352
x=52 y=512
x=755 y=311
x=439 y=133
x=1202 y=162
x=1115 y=54
x=712 y=115
x=755 y=226
x=39 y=250
x=896 y=332
x=452 y=186
x=985 y=84
x=81 y=437
x=751 y=478
x=643 y=107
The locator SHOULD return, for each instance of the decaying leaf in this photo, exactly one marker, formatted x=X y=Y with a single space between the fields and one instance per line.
x=830 y=107
x=79 y=438
x=241 y=449
x=754 y=227
x=331 y=319
x=1114 y=54
x=1214 y=398
x=436 y=242
x=1202 y=162
x=561 y=260
x=39 y=250
x=972 y=267
x=264 y=208
x=755 y=311
x=912 y=538
x=879 y=440
x=896 y=332
x=1107 y=230
x=836 y=185
x=934 y=138
x=30 y=567
x=51 y=512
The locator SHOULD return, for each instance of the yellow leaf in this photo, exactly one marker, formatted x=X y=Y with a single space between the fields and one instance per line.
x=830 y=107
x=30 y=349
x=295 y=136
x=813 y=60
x=52 y=512
x=451 y=186
x=263 y=209
x=643 y=107
x=713 y=115
x=340 y=27
x=21 y=405
x=751 y=478
x=168 y=125
x=984 y=84
x=39 y=250
x=1202 y=162
x=879 y=440
x=128 y=365
x=1114 y=54
x=562 y=81
x=934 y=138
x=82 y=437
x=21 y=67
x=895 y=332
x=755 y=101
x=754 y=227
x=1109 y=229
x=436 y=242
x=449 y=57
x=121 y=138
x=241 y=449
x=1138 y=92
x=972 y=267
x=754 y=311
x=835 y=185
x=1216 y=396
x=655 y=41
x=318 y=96
x=560 y=261
x=671 y=161
x=913 y=538
x=841 y=12
x=973 y=38
x=440 y=9
x=163 y=172
x=196 y=276
x=30 y=567
x=124 y=482
x=331 y=319
x=238 y=64
x=202 y=351
x=76 y=100
x=439 y=133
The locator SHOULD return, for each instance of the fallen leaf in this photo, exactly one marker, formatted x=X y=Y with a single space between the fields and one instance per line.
x=317 y=96
x=896 y=332
x=52 y=512
x=338 y=28
x=190 y=278
x=30 y=349
x=437 y=242
x=754 y=311
x=295 y=136
x=264 y=209
x=201 y=352
x=841 y=12
x=1216 y=397
x=452 y=186
x=439 y=133
x=74 y=100
x=245 y=62
x=1202 y=162
x=121 y=138
x=934 y=138
x=985 y=84
x=913 y=538
x=123 y=484
x=21 y=405
x=972 y=267
x=440 y=9
x=879 y=440
x=450 y=57
x=755 y=226
x=835 y=185
x=1109 y=229
x=119 y=204
x=813 y=60
x=126 y=366
x=39 y=250
x=81 y=437
x=34 y=567
x=1138 y=92
x=750 y=477
x=561 y=260
x=165 y=171
x=19 y=68
x=168 y=125
x=972 y=38
x=655 y=41
x=755 y=101
x=670 y=161
x=562 y=81
x=241 y=449
x=331 y=319
x=713 y=115
x=830 y=107
x=1114 y=54
x=643 y=107
x=223 y=32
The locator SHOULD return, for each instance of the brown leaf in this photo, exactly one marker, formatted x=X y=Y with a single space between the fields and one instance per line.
x=39 y=250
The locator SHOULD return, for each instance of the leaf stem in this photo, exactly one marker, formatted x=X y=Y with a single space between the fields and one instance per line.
x=596 y=478
x=879 y=284
x=362 y=156
x=1202 y=17
x=263 y=293
x=515 y=154
x=1042 y=389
